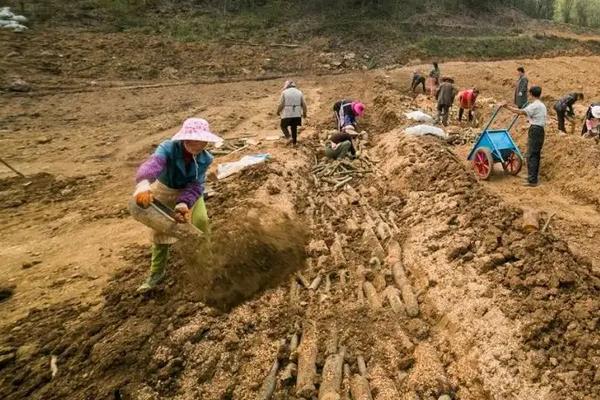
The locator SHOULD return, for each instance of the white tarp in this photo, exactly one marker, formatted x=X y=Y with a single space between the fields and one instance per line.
x=419 y=116
x=421 y=130
x=8 y=20
x=226 y=169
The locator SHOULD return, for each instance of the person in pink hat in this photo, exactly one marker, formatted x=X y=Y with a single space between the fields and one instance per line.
x=175 y=176
x=346 y=113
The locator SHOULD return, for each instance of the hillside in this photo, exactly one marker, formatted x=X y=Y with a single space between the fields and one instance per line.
x=73 y=44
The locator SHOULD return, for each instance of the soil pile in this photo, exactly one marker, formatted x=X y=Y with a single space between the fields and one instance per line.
x=247 y=254
x=552 y=293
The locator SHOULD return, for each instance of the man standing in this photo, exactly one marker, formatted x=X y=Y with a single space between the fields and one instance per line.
x=292 y=108
x=445 y=95
x=521 y=88
x=536 y=114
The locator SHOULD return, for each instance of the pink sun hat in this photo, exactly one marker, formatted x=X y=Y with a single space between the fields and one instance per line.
x=358 y=108
x=196 y=129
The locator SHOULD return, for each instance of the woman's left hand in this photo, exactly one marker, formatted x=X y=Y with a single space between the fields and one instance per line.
x=182 y=213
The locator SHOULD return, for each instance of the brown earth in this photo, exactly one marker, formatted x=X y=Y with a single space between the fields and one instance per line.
x=501 y=313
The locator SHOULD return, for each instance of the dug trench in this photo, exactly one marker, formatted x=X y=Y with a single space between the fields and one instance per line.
x=419 y=283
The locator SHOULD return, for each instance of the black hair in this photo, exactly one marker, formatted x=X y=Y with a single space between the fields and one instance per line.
x=580 y=96
x=535 y=91
x=521 y=70
x=435 y=64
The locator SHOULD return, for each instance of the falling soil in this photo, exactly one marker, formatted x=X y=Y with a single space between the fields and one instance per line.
x=247 y=254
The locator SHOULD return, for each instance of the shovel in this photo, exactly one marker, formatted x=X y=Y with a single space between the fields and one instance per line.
x=161 y=218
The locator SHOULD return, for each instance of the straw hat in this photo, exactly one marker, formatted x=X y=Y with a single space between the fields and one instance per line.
x=196 y=129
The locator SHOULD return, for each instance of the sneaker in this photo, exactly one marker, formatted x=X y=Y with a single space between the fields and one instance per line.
x=561 y=133
x=153 y=280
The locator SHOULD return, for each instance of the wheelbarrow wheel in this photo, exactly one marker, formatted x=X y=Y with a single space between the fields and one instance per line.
x=513 y=163
x=483 y=163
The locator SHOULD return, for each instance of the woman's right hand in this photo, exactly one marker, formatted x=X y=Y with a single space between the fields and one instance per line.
x=143 y=199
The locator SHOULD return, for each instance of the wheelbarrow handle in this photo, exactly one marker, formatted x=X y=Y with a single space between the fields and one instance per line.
x=514 y=121
x=496 y=111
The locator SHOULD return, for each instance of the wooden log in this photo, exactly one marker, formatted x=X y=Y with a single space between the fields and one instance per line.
x=346 y=382
x=317 y=281
x=360 y=275
x=331 y=378
x=410 y=300
x=362 y=365
x=294 y=347
x=307 y=358
x=531 y=220
x=294 y=292
x=379 y=281
x=359 y=387
x=383 y=231
x=399 y=275
x=382 y=385
x=343 y=277
x=371 y=242
x=354 y=196
x=289 y=373
x=393 y=298
x=270 y=382
x=337 y=252
x=394 y=252
x=372 y=296
x=331 y=346
x=303 y=280
x=408 y=295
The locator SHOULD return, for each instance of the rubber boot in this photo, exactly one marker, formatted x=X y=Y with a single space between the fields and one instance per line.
x=160 y=255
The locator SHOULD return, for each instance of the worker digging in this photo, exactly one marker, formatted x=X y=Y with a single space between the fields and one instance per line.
x=466 y=101
x=591 y=125
x=175 y=175
x=346 y=113
x=564 y=110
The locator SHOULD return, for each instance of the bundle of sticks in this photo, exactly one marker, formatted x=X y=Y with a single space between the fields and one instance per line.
x=339 y=172
x=230 y=146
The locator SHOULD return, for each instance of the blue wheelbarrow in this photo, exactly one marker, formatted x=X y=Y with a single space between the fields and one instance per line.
x=495 y=146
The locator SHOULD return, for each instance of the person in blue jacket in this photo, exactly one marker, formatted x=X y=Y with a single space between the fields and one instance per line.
x=175 y=175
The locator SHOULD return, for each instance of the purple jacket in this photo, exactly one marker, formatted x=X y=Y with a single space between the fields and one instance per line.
x=168 y=165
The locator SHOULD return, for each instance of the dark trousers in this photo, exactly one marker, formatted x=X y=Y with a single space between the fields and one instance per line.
x=443 y=113
x=535 y=142
x=289 y=127
x=417 y=82
x=560 y=114
x=460 y=114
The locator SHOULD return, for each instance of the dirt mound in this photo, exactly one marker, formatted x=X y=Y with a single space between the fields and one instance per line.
x=573 y=164
x=248 y=253
x=553 y=292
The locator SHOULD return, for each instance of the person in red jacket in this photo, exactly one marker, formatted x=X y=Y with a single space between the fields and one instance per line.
x=466 y=100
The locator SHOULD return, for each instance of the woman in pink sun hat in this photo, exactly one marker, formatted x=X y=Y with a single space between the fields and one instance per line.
x=346 y=113
x=175 y=176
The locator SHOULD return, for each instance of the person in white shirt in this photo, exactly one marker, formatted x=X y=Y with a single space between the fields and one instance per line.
x=536 y=113
x=292 y=108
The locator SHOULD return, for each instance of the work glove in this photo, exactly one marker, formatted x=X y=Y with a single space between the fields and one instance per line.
x=182 y=213
x=143 y=195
